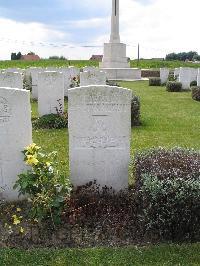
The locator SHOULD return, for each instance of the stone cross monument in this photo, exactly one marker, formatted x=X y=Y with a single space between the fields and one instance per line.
x=115 y=51
x=115 y=63
x=114 y=37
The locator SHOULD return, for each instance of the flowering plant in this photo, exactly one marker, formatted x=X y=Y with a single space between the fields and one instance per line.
x=45 y=187
x=75 y=82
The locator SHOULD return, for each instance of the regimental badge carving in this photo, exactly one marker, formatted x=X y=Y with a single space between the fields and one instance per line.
x=5 y=111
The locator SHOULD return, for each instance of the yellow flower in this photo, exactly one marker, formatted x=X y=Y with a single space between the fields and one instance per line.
x=21 y=230
x=32 y=148
x=19 y=210
x=48 y=164
x=16 y=220
x=31 y=160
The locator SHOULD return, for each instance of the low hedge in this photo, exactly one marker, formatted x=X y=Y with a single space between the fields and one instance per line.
x=193 y=83
x=168 y=193
x=135 y=111
x=196 y=93
x=174 y=86
x=154 y=81
x=51 y=121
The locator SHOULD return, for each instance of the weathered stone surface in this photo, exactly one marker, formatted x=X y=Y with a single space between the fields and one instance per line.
x=122 y=73
x=69 y=74
x=99 y=135
x=92 y=78
x=176 y=73
x=34 y=71
x=164 y=74
x=11 y=79
x=185 y=77
x=91 y=69
x=198 y=77
x=15 y=135
x=194 y=73
x=50 y=92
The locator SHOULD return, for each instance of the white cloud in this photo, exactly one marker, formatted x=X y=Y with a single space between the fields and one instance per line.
x=17 y=36
x=160 y=27
x=88 y=23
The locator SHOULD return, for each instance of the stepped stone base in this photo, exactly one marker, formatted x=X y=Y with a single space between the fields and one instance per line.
x=122 y=73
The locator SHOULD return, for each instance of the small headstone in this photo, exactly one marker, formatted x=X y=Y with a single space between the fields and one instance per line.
x=70 y=74
x=67 y=79
x=50 y=93
x=99 y=135
x=34 y=71
x=164 y=75
x=194 y=73
x=11 y=79
x=17 y=70
x=198 y=77
x=92 y=78
x=15 y=135
x=185 y=77
x=176 y=73
x=90 y=68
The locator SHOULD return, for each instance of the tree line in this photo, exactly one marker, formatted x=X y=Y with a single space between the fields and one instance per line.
x=191 y=56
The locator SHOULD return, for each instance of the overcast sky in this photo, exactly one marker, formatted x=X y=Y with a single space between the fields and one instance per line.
x=62 y=27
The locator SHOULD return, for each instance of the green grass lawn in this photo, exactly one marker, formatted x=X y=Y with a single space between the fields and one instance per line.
x=144 y=64
x=163 y=255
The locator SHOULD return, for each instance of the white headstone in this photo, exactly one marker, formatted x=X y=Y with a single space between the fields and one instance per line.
x=34 y=71
x=90 y=68
x=50 y=93
x=92 y=78
x=17 y=70
x=74 y=71
x=164 y=75
x=176 y=73
x=198 y=77
x=70 y=73
x=194 y=73
x=185 y=77
x=67 y=79
x=11 y=79
x=15 y=135
x=99 y=135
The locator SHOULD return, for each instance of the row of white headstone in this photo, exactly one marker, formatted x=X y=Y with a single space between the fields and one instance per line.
x=186 y=75
x=50 y=87
x=99 y=135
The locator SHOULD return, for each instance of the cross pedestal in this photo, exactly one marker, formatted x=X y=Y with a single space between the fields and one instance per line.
x=114 y=58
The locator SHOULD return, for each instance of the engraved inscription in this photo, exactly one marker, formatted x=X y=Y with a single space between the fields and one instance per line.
x=101 y=142
x=5 y=111
x=101 y=102
x=99 y=137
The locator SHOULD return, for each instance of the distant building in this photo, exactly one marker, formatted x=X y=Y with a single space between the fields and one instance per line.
x=158 y=59
x=97 y=58
x=30 y=57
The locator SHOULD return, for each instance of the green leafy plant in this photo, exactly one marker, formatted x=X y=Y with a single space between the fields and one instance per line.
x=45 y=187
x=52 y=121
x=193 y=83
x=154 y=82
x=75 y=82
x=173 y=86
x=135 y=111
x=168 y=192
